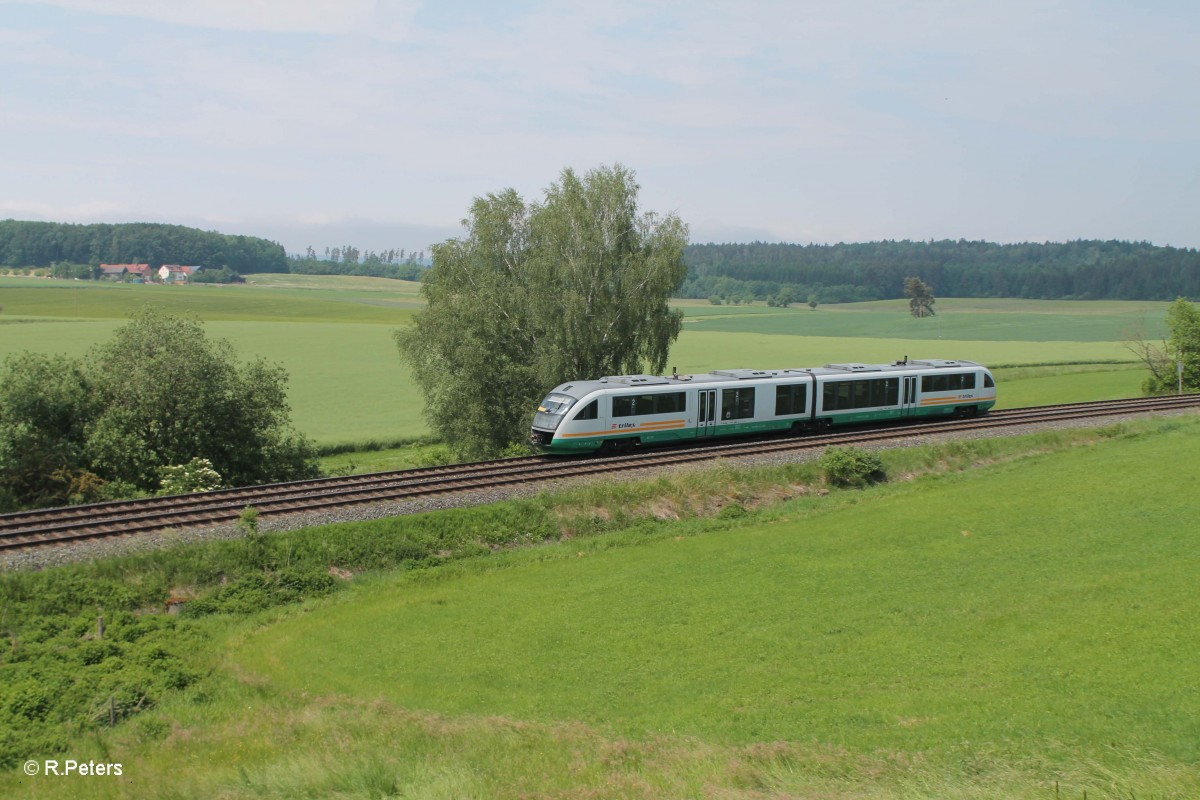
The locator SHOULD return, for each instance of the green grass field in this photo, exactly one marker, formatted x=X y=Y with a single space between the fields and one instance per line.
x=1020 y=630
x=333 y=335
x=957 y=319
x=346 y=382
x=921 y=617
x=285 y=299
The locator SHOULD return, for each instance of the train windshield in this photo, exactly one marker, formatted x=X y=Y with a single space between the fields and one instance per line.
x=551 y=410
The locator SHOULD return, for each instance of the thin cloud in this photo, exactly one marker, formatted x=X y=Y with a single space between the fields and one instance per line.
x=793 y=121
x=278 y=16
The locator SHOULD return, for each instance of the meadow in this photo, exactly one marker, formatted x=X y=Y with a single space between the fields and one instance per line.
x=1004 y=619
x=919 y=617
x=348 y=386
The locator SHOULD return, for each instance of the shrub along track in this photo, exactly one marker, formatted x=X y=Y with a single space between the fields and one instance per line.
x=32 y=529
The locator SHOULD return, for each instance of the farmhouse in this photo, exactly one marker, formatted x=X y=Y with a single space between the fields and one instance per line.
x=174 y=273
x=119 y=272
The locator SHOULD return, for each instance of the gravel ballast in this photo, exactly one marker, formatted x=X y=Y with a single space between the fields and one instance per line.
x=89 y=549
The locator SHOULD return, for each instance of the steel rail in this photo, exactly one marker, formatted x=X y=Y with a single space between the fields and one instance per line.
x=60 y=525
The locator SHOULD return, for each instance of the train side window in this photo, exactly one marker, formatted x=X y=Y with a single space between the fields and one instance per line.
x=670 y=403
x=838 y=396
x=737 y=403
x=988 y=383
x=862 y=394
x=589 y=411
x=948 y=383
x=884 y=392
x=844 y=395
x=639 y=405
x=790 y=399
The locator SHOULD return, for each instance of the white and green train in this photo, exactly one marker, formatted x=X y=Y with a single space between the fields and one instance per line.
x=619 y=413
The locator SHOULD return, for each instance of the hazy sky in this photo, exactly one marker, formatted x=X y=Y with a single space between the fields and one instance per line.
x=375 y=123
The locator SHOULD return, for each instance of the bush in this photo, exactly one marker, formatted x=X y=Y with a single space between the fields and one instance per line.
x=159 y=393
x=851 y=466
x=195 y=476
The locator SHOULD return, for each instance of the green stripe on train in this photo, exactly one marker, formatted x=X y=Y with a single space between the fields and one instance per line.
x=591 y=444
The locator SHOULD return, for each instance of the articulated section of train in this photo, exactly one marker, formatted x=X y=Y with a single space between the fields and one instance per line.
x=619 y=413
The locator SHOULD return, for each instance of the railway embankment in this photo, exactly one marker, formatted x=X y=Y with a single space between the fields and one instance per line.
x=36 y=538
x=94 y=642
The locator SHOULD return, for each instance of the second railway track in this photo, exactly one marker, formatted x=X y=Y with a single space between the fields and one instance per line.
x=55 y=526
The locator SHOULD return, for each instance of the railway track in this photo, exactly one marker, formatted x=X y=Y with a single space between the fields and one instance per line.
x=45 y=527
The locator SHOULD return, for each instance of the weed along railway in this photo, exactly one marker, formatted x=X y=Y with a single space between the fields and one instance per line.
x=48 y=527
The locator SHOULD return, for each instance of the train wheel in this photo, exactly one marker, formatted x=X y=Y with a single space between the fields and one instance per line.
x=616 y=447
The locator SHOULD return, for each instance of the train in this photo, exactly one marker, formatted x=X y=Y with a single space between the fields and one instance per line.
x=618 y=413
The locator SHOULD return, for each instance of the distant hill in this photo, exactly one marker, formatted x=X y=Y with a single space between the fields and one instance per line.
x=40 y=244
x=1083 y=270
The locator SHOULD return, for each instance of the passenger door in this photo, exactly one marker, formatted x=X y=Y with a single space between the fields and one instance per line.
x=908 y=396
x=706 y=413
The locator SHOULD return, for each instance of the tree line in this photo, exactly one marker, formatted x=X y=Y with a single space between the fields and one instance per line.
x=395 y=263
x=43 y=244
x=838 y=273
x=1079 y=270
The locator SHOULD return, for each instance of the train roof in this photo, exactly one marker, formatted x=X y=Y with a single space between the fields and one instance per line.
x=581 y=388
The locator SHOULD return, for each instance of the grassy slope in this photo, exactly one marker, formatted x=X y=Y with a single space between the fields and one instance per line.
x=1024 y=607
x=984 y=635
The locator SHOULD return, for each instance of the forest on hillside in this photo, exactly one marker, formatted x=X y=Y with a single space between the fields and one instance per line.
x=826 y=273
x=1081 y=270
x=42 y=244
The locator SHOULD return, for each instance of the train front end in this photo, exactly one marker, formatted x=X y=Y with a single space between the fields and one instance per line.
x=549 y=418
x=570 y=419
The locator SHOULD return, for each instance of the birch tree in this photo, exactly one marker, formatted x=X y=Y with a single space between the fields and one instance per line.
x=536 y=294
x=1180 y=347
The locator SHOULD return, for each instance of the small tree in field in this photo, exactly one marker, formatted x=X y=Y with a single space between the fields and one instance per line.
x=167 y=394
x=1181 y=346
x=920 y=297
